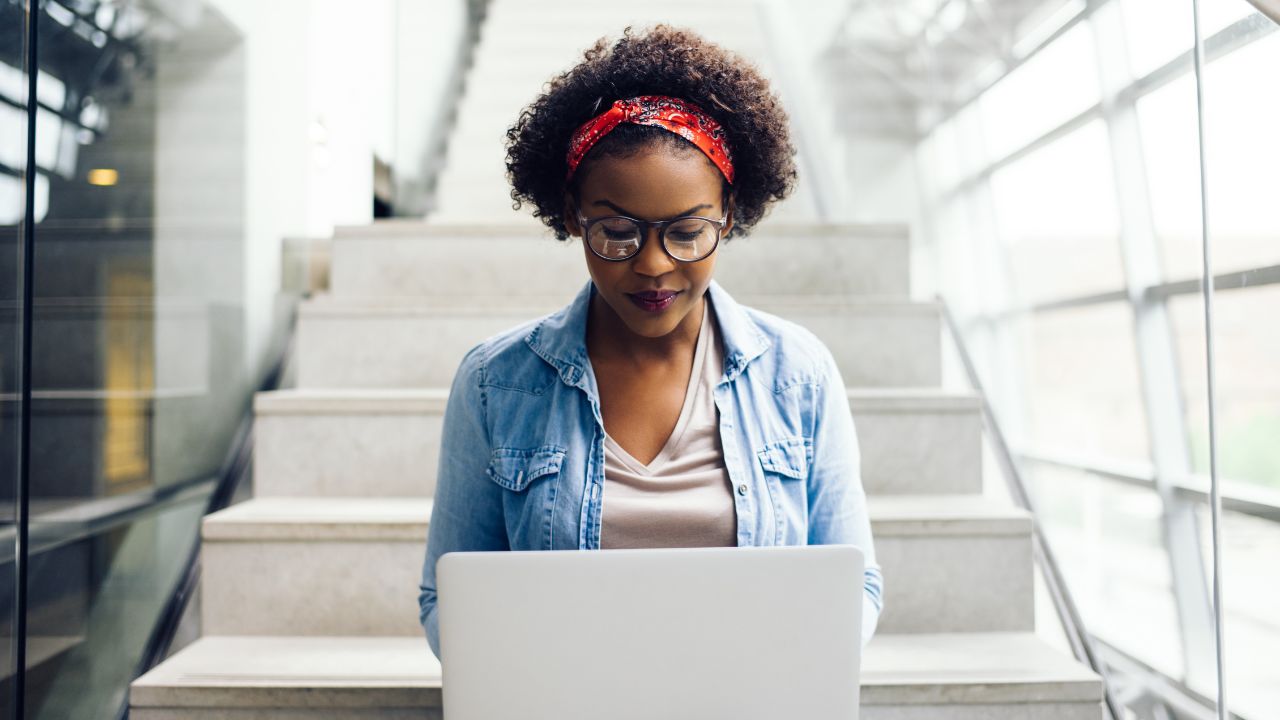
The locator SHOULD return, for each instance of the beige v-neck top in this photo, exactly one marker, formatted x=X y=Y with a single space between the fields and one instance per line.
x=683 y=497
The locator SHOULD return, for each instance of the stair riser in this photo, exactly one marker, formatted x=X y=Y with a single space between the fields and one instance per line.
x=867 y=265
x=872 y=348
x=956 y=584
x=934 y=583
x=920 y=452
x=396 y=454
x=311 y=587
x=391 y=455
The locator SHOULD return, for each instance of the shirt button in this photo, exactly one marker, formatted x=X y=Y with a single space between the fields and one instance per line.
x=742 y=489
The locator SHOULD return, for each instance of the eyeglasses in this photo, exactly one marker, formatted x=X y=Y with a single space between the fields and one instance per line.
x=618 y=237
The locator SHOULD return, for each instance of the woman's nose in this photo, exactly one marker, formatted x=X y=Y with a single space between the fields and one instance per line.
x=652 y=258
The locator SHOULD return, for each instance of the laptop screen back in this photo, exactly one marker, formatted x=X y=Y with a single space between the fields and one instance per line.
x=744 y=632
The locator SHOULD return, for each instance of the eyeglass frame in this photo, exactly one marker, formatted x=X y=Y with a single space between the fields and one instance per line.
x=644 y=226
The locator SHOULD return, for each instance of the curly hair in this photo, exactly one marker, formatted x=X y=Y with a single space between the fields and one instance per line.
x=663 y=60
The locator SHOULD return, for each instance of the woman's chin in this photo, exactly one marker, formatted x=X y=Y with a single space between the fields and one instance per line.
x=651 y=324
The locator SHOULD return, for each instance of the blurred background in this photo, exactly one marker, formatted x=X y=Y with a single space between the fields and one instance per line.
x=192 y=158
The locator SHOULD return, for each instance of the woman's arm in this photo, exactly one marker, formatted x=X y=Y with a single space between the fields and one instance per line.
x=837 y=502
x=467 y=510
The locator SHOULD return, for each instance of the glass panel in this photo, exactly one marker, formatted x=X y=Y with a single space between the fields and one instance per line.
x=13 y=154
x=1242 y=112
x=1242 y=147
x=1108 y=542
x=1251 y=585
x=1056 y=211
x=1167 y=121
x=1246 y=345
x=1051 y=87
x=1156 y=31
x=1082 y=393
x=141 y=368
x=1216 y=15
x=94 y=604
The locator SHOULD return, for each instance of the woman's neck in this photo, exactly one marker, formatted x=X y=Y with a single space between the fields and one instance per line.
x=610 y=340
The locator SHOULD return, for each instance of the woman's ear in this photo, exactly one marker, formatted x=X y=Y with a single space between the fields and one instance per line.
x=570 y=215
x=729 y=210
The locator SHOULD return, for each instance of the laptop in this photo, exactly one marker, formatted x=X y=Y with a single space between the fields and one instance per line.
x=735 y=632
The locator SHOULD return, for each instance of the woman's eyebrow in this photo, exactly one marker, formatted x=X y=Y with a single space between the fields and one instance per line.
x=620 y=211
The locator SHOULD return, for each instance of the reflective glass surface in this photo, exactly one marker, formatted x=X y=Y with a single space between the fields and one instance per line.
x=1082 y=389
x=140 y=372
x=1241 y=108
x=1102 y=223
x=1108 y=541
x=618 y=237
x=13 y=162
x=1058 y=247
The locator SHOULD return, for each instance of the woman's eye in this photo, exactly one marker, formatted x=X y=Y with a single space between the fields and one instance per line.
x=618 y=234
x=683 y=237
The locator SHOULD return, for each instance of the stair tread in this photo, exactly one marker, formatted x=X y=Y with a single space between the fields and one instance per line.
x=927 y=514
x=321 y=401
x=521 y=226
x=240 y=671
x=406 y=518
x=425 y=400
x=533 y=307
x=321 y=518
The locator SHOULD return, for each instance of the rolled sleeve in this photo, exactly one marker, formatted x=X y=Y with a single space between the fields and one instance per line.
x=466 y=514
x=837 y=502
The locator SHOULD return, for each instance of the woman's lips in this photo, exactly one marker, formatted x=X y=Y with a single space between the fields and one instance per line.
x=653 y=300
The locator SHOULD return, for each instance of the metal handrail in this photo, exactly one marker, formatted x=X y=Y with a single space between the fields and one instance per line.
x=1080 y=640
x=1237 y=495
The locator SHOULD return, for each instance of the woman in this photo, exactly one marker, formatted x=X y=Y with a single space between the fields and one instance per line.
x=703 y=422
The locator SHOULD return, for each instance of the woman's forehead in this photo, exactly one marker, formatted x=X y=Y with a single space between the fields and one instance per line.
x=652 y=183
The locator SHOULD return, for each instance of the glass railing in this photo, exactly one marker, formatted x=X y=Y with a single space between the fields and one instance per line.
x=144 y=348
x=13 y=211
x=1063 y=200
x=178 y=149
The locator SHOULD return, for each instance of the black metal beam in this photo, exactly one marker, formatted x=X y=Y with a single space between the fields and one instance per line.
x=24 y=383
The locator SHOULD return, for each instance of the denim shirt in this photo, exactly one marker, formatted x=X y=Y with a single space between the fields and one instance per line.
x=522 y=449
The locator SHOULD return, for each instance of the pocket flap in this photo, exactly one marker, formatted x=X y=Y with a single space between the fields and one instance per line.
x=788 y=457
x=514 y=468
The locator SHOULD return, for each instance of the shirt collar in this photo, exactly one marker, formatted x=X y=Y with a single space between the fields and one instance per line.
x=561 y=338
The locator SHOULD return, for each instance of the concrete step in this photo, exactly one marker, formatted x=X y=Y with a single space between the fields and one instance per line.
x=385 y=344
x=415 y=259
x=953 y=563
x=992 y=676
x=272 y=565
x=385 y=443
x=313 y=566
x=347 y=443
x=918 y=440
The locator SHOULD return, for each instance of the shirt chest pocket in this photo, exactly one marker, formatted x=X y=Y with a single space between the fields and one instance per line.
x=785 y=465
x=515 y=469
x=787 y=458
x=530 y=475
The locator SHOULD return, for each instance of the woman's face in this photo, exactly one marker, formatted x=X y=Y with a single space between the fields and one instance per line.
x=654 y=184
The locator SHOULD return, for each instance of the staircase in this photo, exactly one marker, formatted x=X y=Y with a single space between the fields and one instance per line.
x=309 y=590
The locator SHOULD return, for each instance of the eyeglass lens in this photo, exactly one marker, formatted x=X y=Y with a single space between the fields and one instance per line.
x=686 y=239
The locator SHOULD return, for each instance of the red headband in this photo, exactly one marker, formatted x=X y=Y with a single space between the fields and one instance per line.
x=679 y=116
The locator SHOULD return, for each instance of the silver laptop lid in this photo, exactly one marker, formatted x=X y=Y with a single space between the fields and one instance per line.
x=742 y=632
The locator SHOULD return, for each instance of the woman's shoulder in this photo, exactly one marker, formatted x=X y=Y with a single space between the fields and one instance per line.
x=795 y=353
x=505 y=358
